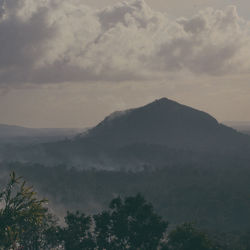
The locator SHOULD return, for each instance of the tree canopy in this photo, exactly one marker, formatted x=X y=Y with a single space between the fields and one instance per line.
x=129 y=223
x=24 y=219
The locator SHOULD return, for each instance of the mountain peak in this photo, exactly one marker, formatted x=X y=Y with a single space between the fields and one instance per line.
x=162 y=121
x=164 y=103
x=162 y=100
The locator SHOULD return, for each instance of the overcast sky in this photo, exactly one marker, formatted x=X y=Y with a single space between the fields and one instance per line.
x=69 y=63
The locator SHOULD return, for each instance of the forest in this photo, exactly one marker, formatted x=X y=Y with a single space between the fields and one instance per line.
x=128 y=223
x=212 y=201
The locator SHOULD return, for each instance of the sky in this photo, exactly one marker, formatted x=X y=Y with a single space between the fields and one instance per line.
x=70 y=63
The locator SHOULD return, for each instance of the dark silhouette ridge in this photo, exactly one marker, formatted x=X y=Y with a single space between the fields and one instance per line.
x=169 y=123
x=160 y=133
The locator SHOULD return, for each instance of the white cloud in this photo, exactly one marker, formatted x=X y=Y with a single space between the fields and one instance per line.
x=53 y=41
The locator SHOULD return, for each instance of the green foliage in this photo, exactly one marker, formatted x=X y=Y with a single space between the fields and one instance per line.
x=187 y=237
x=215 y=197
x=76 y=235
x=129 y=224
x=25 y=222
x=23 y=217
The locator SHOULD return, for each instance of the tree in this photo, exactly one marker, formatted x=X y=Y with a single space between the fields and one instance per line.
x=77 y=235
x=23 y=218
x=129 y=224
x=187 y=237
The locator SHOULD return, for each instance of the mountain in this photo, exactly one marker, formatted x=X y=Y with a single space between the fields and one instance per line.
x=165 y=122
x=161 y=133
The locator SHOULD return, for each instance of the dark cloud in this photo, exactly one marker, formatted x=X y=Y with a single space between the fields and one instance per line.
x=56 y=41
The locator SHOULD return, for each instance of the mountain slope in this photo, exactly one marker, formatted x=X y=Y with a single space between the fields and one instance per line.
x=243 y=127
x=169 y=123
x=161 y=133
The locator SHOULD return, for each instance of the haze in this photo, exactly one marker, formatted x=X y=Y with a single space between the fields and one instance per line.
x=70 y=63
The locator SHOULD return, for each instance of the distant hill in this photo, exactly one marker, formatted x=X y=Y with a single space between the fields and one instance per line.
x=163 y=132
x=7 y=131
x=22 y=135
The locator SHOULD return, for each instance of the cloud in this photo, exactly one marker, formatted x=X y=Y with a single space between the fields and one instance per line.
x=213 y=43
x=54 y=41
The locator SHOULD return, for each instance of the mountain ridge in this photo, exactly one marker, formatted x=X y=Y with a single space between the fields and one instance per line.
x=161 y=122
x=160 y=133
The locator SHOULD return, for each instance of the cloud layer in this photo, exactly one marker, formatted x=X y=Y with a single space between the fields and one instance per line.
x=54 y=41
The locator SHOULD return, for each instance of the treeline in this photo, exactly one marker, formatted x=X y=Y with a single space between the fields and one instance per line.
x=216 y=198
x=129 y=223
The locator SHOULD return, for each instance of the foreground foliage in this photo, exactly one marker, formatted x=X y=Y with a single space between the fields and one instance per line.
x=24 y=220
x=187 y=237
x=129 y=223
x=215 y=197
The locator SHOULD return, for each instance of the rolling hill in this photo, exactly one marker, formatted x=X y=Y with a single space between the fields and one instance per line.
x=22 y=135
